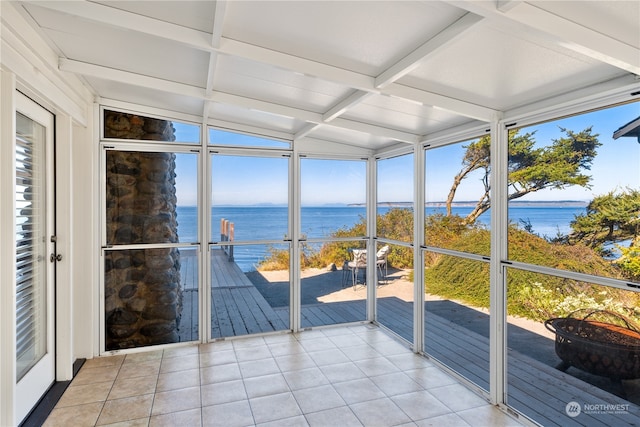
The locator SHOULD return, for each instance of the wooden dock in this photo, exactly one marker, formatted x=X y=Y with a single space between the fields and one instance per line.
x=534 y=388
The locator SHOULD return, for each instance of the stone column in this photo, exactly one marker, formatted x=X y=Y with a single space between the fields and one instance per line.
x=142 y=286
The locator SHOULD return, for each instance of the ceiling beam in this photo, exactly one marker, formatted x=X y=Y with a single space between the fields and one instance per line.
x=559 y=31
x=306 y=130
x=349 y=78
x=415 y=58
x=375 y=130
x=207 y=42
x=507 y=5
x=131 y=21
x=129 y=78
x=216 y=36
x=441 y=102
x=345 y=104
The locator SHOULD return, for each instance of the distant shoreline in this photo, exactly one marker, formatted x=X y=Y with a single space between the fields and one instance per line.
x=471 y=204
x=463 y=204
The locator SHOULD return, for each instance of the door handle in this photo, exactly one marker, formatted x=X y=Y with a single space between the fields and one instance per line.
x=54 y=257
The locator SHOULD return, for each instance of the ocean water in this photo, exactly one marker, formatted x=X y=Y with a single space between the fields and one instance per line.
x=270 y=223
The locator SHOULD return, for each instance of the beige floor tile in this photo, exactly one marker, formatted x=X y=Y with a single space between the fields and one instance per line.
x=221 y=373
x=420 y=404
x=305 y=378
x=318 y=399
x=377 y=366
x=431 y=377
x=190 y=418
x=342 y=372
x=382 y=412
x=346 y=340
x=396 y=383
x=80 y=415
x=144 y=356
x=274 y=407
x=217 y=393
x=257 y=368
x=318 y=344
x=140 y=369
x=99 y=374
x=80 y=394
x=182 y=363
x=128 y=387
x=360 y=352
x=104 y=361
x=295 y=362
x=458 y=397
x=342 y=416
x=279 y=338
x=234 y=414
x=450 y=419
x=244 y=343
x=286 y=348
x=245 y=354
x=487 y=415
x=266 y=385
x=179 y=379
x=299 y=421
x=215 y=346
x=180 y=351
x=140 y=422
x=176 y=400
x=356 y=391
x=409 y=361
x=214 y=358
x=128 y=408
x=328 y=357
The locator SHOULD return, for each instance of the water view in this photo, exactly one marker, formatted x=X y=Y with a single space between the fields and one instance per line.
x=270 y=223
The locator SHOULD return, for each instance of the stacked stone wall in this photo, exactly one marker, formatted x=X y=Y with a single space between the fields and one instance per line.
x=142 y=286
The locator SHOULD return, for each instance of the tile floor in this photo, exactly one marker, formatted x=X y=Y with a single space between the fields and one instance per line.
x=344 y=376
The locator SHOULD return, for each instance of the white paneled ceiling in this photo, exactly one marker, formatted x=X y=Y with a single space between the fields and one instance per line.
x=368 y=74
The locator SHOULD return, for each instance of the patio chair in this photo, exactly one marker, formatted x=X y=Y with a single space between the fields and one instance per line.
x=359 y=262
x=381 y=261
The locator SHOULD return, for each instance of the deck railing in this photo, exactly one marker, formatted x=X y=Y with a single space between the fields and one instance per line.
x=227 y=230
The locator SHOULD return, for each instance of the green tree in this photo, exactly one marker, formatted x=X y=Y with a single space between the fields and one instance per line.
x=611 y=217
x=531 y=169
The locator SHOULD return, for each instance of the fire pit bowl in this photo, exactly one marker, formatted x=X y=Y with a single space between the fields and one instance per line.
x=609 y=347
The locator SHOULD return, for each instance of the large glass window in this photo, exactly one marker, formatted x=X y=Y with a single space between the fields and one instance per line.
x=574 y=347
x=574 y=194
x=250 y=280
x=394 y=290
x=393 y=251
x=151 y=197
x=252 y=194
x=457 y=204
x=233 y=139
x=150 y=201
x=131 y=126
x=333 y=225
x=395 y=198
x=456 y=268
x=249 y=289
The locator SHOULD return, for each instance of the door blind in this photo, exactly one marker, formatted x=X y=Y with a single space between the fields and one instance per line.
x=30 y=245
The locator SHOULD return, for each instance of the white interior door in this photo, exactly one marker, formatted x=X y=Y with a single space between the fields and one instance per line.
x=35 y=254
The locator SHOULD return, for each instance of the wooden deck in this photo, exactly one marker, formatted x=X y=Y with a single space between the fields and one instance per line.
x=534 y=388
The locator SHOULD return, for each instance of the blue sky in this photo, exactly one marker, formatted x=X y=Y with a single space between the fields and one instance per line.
x=243 y=179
